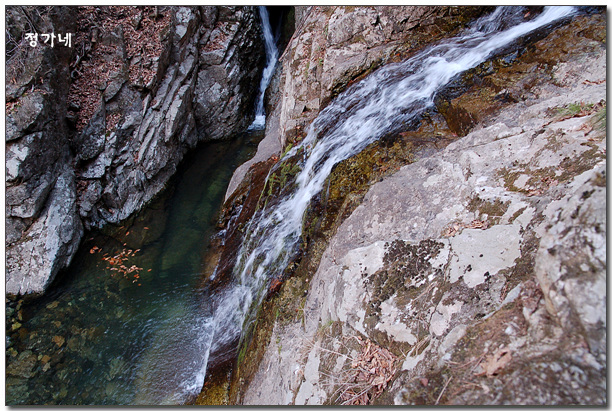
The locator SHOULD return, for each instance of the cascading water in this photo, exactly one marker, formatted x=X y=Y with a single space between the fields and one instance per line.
x=384 y=102
x=109 y=340
x=271 y=59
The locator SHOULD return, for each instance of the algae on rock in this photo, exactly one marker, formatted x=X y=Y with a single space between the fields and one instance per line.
x=509 y=308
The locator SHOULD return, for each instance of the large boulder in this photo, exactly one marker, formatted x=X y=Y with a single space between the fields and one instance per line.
x=47 y=245
x=475 y=275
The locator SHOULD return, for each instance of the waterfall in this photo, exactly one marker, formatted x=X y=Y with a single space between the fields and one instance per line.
x=271 y=59
x=383 y=102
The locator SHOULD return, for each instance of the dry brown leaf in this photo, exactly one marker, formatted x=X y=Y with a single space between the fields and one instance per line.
x=374 y=368
x=496 y=362
x=59 y=340
x=457 y=227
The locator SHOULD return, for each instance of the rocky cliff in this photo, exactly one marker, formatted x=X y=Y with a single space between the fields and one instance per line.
x=335 y=46
x=95 y=130
x=438 y=269
x=459 y=260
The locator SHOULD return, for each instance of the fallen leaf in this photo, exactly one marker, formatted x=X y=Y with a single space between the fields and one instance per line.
x=59 y=340
x=380 y=380
x=587 y=128
x=496 y=362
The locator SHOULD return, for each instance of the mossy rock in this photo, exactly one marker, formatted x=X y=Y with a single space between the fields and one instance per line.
x=216 y=387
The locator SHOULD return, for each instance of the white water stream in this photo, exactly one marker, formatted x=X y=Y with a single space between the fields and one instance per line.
x=271 y=60
x=385 y=101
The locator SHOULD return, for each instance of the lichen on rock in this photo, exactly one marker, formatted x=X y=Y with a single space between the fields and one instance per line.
x=480 y=265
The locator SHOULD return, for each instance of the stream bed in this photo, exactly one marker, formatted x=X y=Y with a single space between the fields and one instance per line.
x=122 y=325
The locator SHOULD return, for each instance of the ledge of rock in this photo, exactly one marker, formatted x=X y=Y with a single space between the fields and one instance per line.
x=475 y=275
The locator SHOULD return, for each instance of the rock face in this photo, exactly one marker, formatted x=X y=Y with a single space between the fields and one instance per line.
x=334 y=46
x=480 y=268
x=211 y=57
x=135 y=109
x=42 y=227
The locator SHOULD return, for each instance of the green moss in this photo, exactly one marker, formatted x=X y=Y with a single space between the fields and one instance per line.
x=283 y=307
x=493 y=209
x=574 y=109
x=287 y=149
x=216 y=387
x=600 y=119
x=404 y=263
x=282 y=179
x=291 y=300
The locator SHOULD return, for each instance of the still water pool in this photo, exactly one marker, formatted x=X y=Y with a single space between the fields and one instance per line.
x=125 y=323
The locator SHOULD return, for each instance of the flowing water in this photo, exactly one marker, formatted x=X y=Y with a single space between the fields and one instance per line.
x=271 y=60
x=102 y=338
x=388 y=100
x=114 y=337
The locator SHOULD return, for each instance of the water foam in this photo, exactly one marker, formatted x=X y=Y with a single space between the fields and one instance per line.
x=383 y=102
x=271 y=60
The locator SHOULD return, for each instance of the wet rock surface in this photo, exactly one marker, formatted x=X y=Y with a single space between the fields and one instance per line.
x=481 y=267
x=147 y=86
x=331 y=48
x=334 y=46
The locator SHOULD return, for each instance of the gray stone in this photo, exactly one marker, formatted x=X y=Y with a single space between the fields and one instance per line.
x=90 y=141
x=33 y=112
x=533 y=277
x=25 y=200
x=30 y=156
x=49 y=243
x=115 y=83
x=571 y=259
x=269 y=146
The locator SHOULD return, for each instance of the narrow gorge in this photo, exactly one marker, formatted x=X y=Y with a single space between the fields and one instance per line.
x=306 y=205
